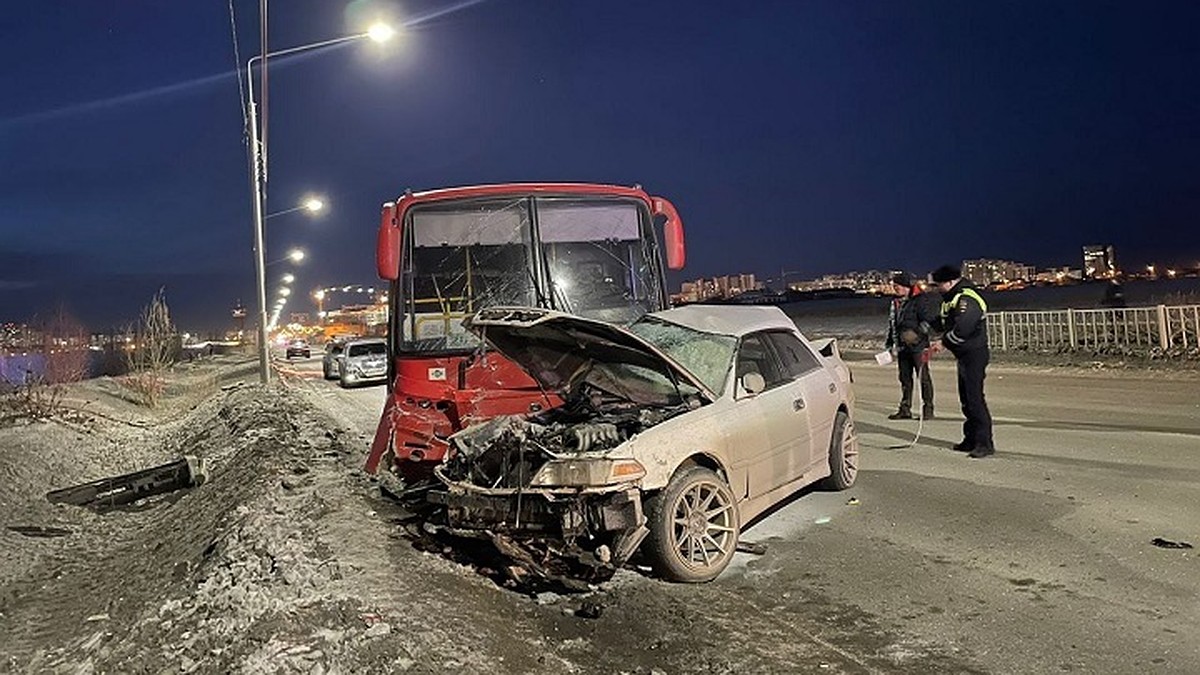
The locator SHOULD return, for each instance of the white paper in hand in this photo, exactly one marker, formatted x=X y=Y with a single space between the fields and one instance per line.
x=883 y=358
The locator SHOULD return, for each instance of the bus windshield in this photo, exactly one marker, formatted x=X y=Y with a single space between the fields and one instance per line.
x=593 y=257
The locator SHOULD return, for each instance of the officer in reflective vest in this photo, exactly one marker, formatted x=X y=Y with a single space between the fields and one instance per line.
x=964 y=325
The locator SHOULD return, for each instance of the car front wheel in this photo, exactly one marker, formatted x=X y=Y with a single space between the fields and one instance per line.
x=693 y=525
x=843 y=454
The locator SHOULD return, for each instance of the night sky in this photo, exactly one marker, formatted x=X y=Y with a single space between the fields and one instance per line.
x=815 y=137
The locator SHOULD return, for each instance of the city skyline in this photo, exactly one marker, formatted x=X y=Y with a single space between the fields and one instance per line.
x=981 y=271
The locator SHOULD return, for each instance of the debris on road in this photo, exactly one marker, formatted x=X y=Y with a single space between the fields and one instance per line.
x=39 y=531
x=751 y=547
x=853 y=501
x=1167 y=543
x=590 y=610
x=185 y=472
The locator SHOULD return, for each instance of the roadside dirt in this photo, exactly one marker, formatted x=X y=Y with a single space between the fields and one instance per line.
x=289 y=560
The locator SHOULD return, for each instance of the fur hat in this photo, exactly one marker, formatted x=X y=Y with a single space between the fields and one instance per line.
x=946 y=273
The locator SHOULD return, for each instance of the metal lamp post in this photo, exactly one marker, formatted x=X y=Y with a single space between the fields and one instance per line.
x=378 y=33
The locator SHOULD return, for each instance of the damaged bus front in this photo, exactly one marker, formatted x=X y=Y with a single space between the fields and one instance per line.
x=590 y=250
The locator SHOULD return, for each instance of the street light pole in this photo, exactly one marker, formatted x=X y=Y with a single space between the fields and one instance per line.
x=260 y=264
x=378 y=33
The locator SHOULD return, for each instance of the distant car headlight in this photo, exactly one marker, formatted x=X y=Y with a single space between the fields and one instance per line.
x=587 y=472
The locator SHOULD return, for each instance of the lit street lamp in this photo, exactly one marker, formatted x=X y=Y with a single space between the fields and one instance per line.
x=257 y=154
x=312 y=205
x=288 y=278
x=295 y=255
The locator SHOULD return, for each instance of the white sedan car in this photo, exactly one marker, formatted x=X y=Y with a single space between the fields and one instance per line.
x=672 y=433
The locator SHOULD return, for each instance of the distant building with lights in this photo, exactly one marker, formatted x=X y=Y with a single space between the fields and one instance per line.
x=722 y=288
x=1099 y=262
x=987 y=272
x=869 y=282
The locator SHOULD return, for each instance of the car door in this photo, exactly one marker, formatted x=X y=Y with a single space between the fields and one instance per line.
x=784 y=415
x=819 y=391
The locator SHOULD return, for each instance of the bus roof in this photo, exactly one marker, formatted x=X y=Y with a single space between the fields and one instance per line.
x=592 y=189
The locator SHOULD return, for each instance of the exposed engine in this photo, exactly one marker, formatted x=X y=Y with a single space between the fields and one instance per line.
x=506 y=452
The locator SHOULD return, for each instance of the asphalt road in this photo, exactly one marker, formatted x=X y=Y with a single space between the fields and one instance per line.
x=1036 y=560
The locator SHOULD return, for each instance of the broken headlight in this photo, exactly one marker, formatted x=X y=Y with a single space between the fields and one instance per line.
x=587 y=472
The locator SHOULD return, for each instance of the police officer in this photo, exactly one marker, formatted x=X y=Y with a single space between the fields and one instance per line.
x=964 y=322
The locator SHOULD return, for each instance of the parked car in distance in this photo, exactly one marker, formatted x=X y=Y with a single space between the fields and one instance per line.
x=331 y=358
x=298 y=348
x=363 y=360
x=674 y=433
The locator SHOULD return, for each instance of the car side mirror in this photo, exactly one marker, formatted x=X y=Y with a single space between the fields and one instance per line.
x=753 y=383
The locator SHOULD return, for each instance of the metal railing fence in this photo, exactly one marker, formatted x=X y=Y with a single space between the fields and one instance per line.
x=1140 y=329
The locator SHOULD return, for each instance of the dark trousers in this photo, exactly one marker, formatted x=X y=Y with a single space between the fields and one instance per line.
x=972 y=369
x=910 y=362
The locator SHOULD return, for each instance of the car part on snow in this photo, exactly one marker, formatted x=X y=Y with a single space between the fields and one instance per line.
x=39 y=531
x=185 y=472
x=1167 y=543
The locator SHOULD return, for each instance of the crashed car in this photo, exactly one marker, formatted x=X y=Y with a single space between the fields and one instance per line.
x=674 y=432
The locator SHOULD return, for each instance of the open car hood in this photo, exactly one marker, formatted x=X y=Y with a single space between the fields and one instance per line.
x=562 y=351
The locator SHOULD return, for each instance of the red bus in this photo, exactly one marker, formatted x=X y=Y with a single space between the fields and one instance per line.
x=587 y=249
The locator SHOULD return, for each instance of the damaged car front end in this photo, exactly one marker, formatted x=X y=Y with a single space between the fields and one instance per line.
x=586 y=509
x=564 y=482
x=671 y=434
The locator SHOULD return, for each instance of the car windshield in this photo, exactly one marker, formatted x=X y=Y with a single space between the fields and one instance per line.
x=368 y=349
x=707 y=356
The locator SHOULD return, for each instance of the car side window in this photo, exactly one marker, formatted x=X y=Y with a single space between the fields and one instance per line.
x=797 y=358
x=755 y=357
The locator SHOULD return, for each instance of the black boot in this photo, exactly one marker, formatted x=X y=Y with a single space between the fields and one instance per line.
x=981 y=452
x=901 y=414
x=965 y=446
x=927 y=412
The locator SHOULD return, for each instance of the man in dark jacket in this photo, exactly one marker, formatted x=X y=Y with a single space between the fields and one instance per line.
x=964 y=325
x=910 y=317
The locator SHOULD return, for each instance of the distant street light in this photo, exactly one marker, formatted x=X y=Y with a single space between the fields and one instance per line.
x=312 y=205
x=288 y=278
x=378 y=33
x=285 y=291
x=294 y=256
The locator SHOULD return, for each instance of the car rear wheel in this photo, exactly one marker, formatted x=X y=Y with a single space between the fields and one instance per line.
x=693 y=525
x=843 y=454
